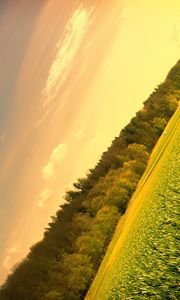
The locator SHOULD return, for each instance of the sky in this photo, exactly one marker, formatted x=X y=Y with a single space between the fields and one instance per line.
x=73 y=74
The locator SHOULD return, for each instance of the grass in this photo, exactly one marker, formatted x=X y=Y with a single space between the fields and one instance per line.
x=142 y=259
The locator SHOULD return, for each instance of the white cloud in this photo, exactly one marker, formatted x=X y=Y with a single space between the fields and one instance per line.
x=80 y=133
x=58 y=153
x=107 y=65
x=12 y=250
x=67 y=48
x=42 y=119
x=97 y=137
x=175 y=35
x=48 y=171
x=45 y=195
x=10 y=257
x=2 y=137
x=7 y=262
x=56 y=157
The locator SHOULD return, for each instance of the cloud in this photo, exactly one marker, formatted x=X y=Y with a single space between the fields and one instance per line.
x=10 y=257
x=64 y=96
x=80 y=133
x=7 y=262
x=107 y=65
x=45 y=195
x=58 y=153
x=2 y=137
x=97 y=137
x=48 y=171
x=12 y=250
x=67 y=49
x=175 y=35
x=56 y=157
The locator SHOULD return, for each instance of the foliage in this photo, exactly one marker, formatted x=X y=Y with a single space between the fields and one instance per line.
x=63 y=264
x=145 y=266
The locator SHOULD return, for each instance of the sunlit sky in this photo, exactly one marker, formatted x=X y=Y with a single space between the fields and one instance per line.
x=73 y=73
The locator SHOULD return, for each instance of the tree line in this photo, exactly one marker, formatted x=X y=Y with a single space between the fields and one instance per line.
x=63 y=265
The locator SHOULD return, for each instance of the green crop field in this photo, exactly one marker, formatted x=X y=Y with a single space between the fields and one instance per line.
x=142 y=259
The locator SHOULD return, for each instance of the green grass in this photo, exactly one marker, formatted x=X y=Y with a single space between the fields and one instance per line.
x=142 y=259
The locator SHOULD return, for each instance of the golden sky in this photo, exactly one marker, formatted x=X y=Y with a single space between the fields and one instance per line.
x=74 y=73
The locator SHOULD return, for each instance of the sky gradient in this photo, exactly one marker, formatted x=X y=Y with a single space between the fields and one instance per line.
x=73 y=74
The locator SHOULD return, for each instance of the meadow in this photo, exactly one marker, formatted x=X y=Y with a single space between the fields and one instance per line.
x=142 y=259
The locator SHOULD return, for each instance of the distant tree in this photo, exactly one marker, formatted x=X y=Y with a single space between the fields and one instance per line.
x=63 y=264
x=78 y=272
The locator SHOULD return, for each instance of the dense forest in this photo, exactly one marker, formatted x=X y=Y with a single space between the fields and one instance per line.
x=64 y=263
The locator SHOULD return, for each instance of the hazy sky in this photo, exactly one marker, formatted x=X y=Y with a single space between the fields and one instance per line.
x=73 y=73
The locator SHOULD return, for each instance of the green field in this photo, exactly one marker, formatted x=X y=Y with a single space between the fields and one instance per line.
x=142 y=259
